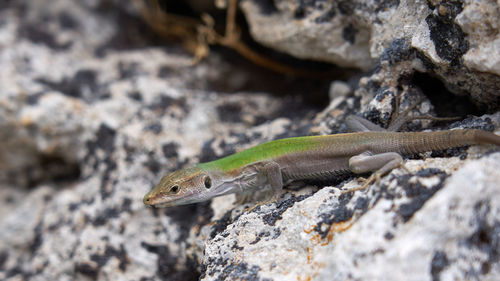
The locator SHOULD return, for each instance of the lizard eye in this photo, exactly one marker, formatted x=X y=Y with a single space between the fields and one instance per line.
x=174 y=189
x=208 y=182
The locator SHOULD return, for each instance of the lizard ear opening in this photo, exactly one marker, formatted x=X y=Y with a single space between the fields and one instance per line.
x=208 y=182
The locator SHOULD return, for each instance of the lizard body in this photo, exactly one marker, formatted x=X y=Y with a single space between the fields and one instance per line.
x=279 y=162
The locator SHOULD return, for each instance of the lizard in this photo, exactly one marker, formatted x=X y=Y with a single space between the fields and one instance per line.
x=269 y=166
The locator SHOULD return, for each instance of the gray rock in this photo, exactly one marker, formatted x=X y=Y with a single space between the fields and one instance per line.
x=457 y=41
x=92 y=115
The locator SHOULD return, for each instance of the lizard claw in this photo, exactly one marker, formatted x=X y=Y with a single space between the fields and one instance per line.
x=262 y=203
x=375 y=177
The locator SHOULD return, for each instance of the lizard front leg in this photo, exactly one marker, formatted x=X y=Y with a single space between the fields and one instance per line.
x=268 y=173
x=272 y=171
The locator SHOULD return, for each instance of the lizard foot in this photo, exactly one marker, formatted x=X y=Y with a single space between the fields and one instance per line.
x=375 y=177
x=273 y=199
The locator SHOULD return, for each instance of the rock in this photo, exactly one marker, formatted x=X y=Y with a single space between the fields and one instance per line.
x=93 y=111
x=456 y=41
x=87 y=126
x=425 y=225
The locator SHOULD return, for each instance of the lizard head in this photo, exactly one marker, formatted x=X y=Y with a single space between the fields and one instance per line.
x=185 y=186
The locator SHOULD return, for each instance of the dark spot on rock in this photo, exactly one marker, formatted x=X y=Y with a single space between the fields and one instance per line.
x=74 y=206
x=135 y=96
x=105 y=138
x=485 y=268
x=18 y=270
x=266 y=7
x=88 y=270
x=82 y=85
x=261 y=235
x=383 y=93
x=7 y=4
x=239 y=271
x=106 y=188
x=54 y=169
x=127 y=202
x=156 y=128
x=299 y=13
x=38 y=34
x=277 y=233
x=4 y=256
x=396 y=52
x=257 y=239
x=372 y=86
x=485 y=236
x=326 y=16
x=346 y=7
x=127 y=70
x=388 y=236
x=227 y=149
x=37 y=239
x=375 y=116
x=349 y=33
x=103 y=217
x=439 y=263
x=230 y=112
x=207 y=153
x=449 y=39
x=132 y=32
x=165 y=71
x=161 y=104
x=236 y=247
x=429 y=172
x=340 y=213
x=361 y=204
x=66 y=21
x=186 y=216
x=33 y=98
x=110 y=252
x=447 y=10
x=473 y=122
x=170 y=149
x=221 y=224
x=418 y=193
x=166 y=264
x=383 y=5
x=276 y=214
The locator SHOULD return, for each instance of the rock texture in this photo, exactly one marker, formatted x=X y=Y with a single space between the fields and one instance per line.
x=457 y=41
x=94 y=110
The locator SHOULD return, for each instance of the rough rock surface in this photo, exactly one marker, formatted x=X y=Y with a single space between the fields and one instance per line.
x=457 y=41
x=93 y=111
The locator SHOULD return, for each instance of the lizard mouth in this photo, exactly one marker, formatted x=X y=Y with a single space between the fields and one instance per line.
x=170 y=201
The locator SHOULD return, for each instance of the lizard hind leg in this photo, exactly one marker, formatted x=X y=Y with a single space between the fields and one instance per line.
x=399 y=119
x=380 y=164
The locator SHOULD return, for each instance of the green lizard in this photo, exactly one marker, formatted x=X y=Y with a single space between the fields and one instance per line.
x=269 y=166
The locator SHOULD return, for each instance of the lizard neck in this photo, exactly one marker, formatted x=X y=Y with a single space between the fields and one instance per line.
x=225 y=182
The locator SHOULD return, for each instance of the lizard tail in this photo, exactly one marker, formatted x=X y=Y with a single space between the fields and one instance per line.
x=426 y=141
x=483 y=137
